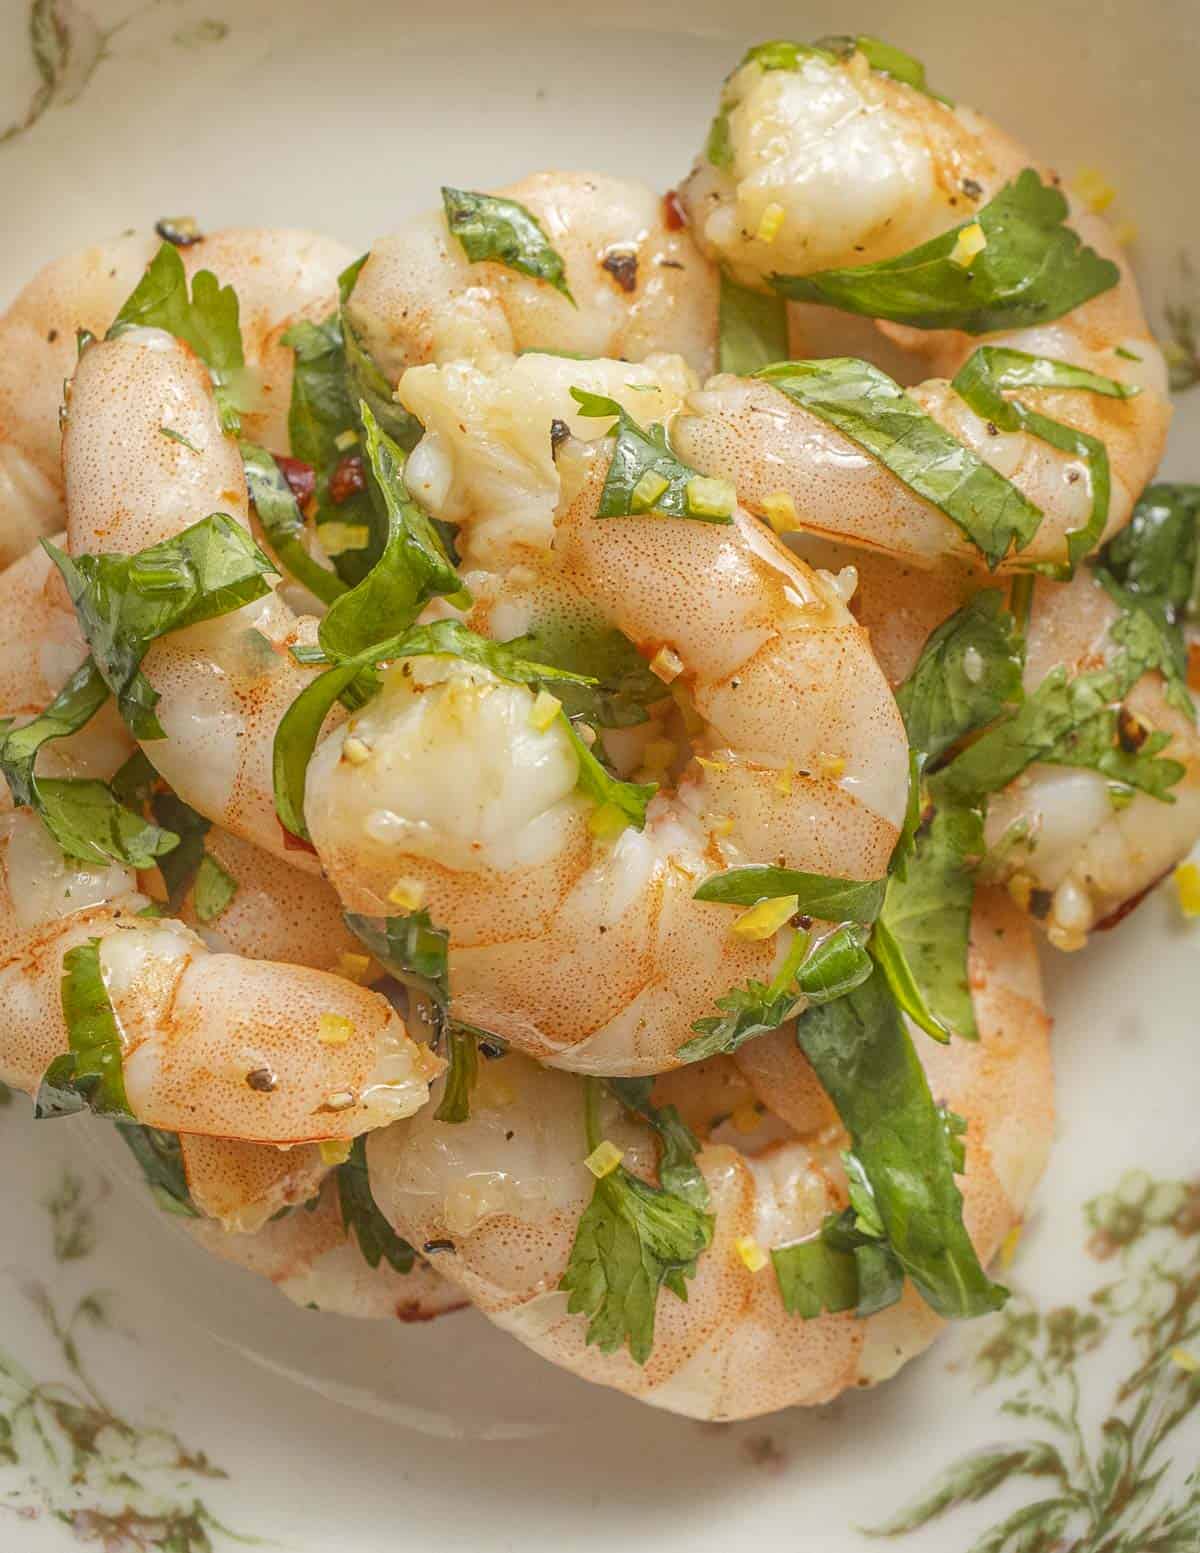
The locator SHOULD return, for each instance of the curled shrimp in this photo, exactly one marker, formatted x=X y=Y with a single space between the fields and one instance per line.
x=507 y=1187
x=856 y=167
x=591 y=953
x=638 y=282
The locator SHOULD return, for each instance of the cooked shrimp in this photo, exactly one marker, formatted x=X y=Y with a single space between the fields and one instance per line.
x=638 y=281
x=310 y=1258
x=1055 y=832
x=592 y=954
x=211 y=1043
x=508 y=1186
x=855 y=167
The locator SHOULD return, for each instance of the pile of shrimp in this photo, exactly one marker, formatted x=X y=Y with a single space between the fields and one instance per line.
x=296 y=1083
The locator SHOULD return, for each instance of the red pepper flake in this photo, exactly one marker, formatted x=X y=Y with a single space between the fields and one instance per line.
x=301 y=478
x=294 y=843
x=674 y=215
x=348 y=478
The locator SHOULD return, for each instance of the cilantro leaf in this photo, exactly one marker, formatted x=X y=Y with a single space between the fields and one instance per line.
x=161 y=1158
x=863 y=1057
x=207 y=320
x=377 y=1240
x=283 y=524
x=644 y=475
x=1154 y=558
x=91 y=1074
x=752 y=331
x=842 y=1267
x=678 y=1171
x=832 y=900
x=1034 y=268
x=504 y=232
x=631 y=1240
x=126 y=602
x=868 y=407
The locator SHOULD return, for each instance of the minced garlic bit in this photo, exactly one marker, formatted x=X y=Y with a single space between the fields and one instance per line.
x=770 y=222
x=336 y=538
x=340 y=1100
x=1093 y=188
x=831 y=766
x=667 y=664
x=767 y=917
x=780 y=512
x=355 y=751
x=1187 y=887
x=607 y=822
x=408 y=894
x=969 y=243
x=1184 y=1359
x=335 y=1151
x=647 y=491
x=544 y=710
x=1008 y=1246
x=334 y=1029
x=746 y=1117
x=604 y=1159
x=751 y=1253
x=345 y=440
x=354 y=967
x=710 y=498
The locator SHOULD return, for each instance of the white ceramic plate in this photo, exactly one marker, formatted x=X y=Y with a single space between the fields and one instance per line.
x=151 y=1398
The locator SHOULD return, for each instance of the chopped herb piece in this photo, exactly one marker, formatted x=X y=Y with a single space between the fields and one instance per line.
x=172 y=435
x=462 y=1051
x=639 y=453
x=161 y=1158
x=416 y=952
x=91 y=1073
x=678 y=1171
x=753 y=329
x=624 y=685
x=883 y=57
x=832 y=900
x=968 y=672
x=625 y=800
x=214 y=890
x=506 y=233
x=1156 y=557
x=282 y=522
x=377 y=1240
x=1033 y=269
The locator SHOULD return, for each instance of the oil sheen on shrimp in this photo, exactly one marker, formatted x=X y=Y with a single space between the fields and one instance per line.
x=507 y=1187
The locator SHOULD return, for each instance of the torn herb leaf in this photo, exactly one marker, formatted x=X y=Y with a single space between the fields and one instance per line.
x=1033 y=269
x=644 y=476
x=377 y=1240
x=624 y=684
x=283 y=524
x=752 y=331
x=829 y=899
x=1156 y=556
x=883 y=57
x=504 y=232
x=161 y=1158
x=91 y=1074
x=624 y=801
x=416 y=952
x=678 y=1171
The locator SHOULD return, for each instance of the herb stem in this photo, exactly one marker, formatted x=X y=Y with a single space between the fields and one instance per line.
x=1020 y=602
x=591 y=1112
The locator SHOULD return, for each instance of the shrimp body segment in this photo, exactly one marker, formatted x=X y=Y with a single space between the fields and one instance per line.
x=507 y=1187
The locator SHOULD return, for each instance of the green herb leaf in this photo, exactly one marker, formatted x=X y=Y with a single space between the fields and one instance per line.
x=161 y=1158
x=753 y=329
x=863 y=1057
x=644 y=475
x=505 y=233
x=625 y=798
x=625 y=685
x=126 y=602
x=215 y=889
x=678 y=1171
x=631 y=1240
x=416 y=952
x=377 y=1240
x=207 y=320
x=91 y=1073
x=968 y=672
x=180 y=867
x=283 y=524
x=829 y=899
x=848 y=1265
x=412 y=569
x=1033 y=269
x=873 y=411
x=463 y=1056
x=1155 y=556
x=883 y=57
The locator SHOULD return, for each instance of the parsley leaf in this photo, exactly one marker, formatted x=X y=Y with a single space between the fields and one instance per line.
x=678 y=1172
x=832 y=900
x=125 y=602
x=644 y=475
x=752 y=331
x=207 y=320
x=868 y=407
x=283 y=524
x=1155 y=556
x=845 y=1266
x=631 y=1240
x=91 y=1073
x=1033 y=269
x=377 y=1240
x=506 y=233
x=161 y=1158
x=863 y=1057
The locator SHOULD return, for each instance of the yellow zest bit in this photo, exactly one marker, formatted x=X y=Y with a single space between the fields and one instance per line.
x=408 y=894
x=751 y=1253
x=1093 y=189
x=783 y=782
x=335 y=1151
x=544 y=710
x=334 y=1029
x=1020 y=887
x=647 y=491
x=712 y=765
x=709 y=498
x=770 y=222
x=1008 y=1246
x=345 y=440
x=831 y=766
x=1126 y=233
x=1187 y=887
x=355 y=751
x=967 y=245
x=766 y=918
x=604 y=1159
x=667 y=664
x=607 y=822
x=1184 y=1359
x=780 y=512
x=746 y=1117
x=722 y=825
x=354 y=967
x=336 y=538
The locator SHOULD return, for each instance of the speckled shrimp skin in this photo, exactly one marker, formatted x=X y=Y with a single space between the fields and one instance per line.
x=639 y=282
x=859 y=168
x=593 y=954
x=508 y=1186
